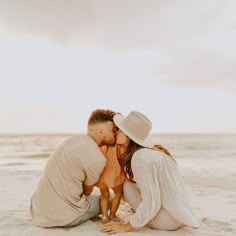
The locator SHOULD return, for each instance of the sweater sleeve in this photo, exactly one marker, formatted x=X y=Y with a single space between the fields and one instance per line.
x=146 y=176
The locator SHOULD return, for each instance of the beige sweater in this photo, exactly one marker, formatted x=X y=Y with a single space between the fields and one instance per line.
x=59 y=197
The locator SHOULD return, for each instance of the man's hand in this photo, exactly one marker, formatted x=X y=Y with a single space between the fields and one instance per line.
x=87 y=189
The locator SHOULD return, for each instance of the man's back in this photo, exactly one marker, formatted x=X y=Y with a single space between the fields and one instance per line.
x=59 y=198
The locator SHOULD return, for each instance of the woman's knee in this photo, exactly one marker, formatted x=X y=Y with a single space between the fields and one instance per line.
x=132 y=194
x=129 y=186
x=164 y=221
x=167 y=227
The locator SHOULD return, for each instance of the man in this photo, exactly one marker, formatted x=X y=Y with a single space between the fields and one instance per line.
x=63 y=195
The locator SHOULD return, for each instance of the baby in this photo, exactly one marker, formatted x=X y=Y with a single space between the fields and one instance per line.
x=113 y=178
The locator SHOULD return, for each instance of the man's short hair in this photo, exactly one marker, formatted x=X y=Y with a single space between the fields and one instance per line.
x=101 y=116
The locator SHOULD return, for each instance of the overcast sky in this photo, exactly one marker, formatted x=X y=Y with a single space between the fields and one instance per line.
x=175 y=61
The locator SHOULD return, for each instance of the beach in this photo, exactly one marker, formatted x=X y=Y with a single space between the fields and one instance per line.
x=211 y=182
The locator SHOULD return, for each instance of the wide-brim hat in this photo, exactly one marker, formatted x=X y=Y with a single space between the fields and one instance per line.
x=136 y=126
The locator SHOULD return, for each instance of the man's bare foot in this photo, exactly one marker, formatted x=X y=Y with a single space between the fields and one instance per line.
x=104 y=220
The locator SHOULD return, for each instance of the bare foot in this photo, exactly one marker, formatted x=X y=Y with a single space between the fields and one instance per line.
x=114 y=218
x=105 y=220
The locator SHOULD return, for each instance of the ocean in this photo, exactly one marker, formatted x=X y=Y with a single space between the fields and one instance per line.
x=203 y=155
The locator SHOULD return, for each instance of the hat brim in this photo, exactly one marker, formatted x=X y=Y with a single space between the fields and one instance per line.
x=118 y=118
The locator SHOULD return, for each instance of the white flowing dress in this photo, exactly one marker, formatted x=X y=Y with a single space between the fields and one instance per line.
x=164 y=198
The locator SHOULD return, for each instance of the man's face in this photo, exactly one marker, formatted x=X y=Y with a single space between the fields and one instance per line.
x=109 y=133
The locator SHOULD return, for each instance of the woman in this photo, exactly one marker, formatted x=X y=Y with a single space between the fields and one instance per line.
x=154 y=189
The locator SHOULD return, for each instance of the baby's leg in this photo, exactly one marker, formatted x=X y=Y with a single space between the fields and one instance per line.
x=115 y=202
x=104 y=204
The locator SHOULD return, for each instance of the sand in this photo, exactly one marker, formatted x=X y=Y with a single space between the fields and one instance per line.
x=214 y=202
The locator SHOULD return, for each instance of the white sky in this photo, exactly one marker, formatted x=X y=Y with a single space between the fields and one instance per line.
x=173 y=60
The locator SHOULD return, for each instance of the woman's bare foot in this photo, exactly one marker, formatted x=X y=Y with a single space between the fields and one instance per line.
x=104 y=220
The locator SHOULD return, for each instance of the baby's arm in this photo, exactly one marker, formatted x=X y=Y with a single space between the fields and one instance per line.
x=104 y=149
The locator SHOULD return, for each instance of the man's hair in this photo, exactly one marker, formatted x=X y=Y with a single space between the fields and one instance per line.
x=100 y=116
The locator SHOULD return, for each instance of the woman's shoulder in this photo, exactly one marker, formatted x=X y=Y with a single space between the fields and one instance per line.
x=147 y=155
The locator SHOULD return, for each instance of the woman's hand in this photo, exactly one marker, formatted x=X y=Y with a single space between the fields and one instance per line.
x=116 y=227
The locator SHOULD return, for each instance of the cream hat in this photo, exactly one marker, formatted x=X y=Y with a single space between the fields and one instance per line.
x=136 y=126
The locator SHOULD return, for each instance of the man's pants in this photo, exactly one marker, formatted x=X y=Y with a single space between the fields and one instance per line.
x=93 y=210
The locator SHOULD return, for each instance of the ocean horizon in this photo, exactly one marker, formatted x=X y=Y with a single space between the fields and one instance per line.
x=197 y=154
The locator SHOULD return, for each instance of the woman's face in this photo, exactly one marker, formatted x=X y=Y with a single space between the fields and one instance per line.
x=121 y=138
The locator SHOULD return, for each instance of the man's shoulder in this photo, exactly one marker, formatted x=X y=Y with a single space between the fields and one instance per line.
x=78 y=143
x=85 y=144
x=82 y=139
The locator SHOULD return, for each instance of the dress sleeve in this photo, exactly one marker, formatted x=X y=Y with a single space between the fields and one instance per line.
x=146 y=176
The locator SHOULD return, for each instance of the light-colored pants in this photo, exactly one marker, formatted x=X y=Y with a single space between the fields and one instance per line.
x=93 y=210
x=162 y=220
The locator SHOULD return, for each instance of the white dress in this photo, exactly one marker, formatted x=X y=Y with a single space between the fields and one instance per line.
x=162 y=190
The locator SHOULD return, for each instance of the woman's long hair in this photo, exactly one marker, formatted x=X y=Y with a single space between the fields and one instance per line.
x=126 y=157
x=163 y=149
